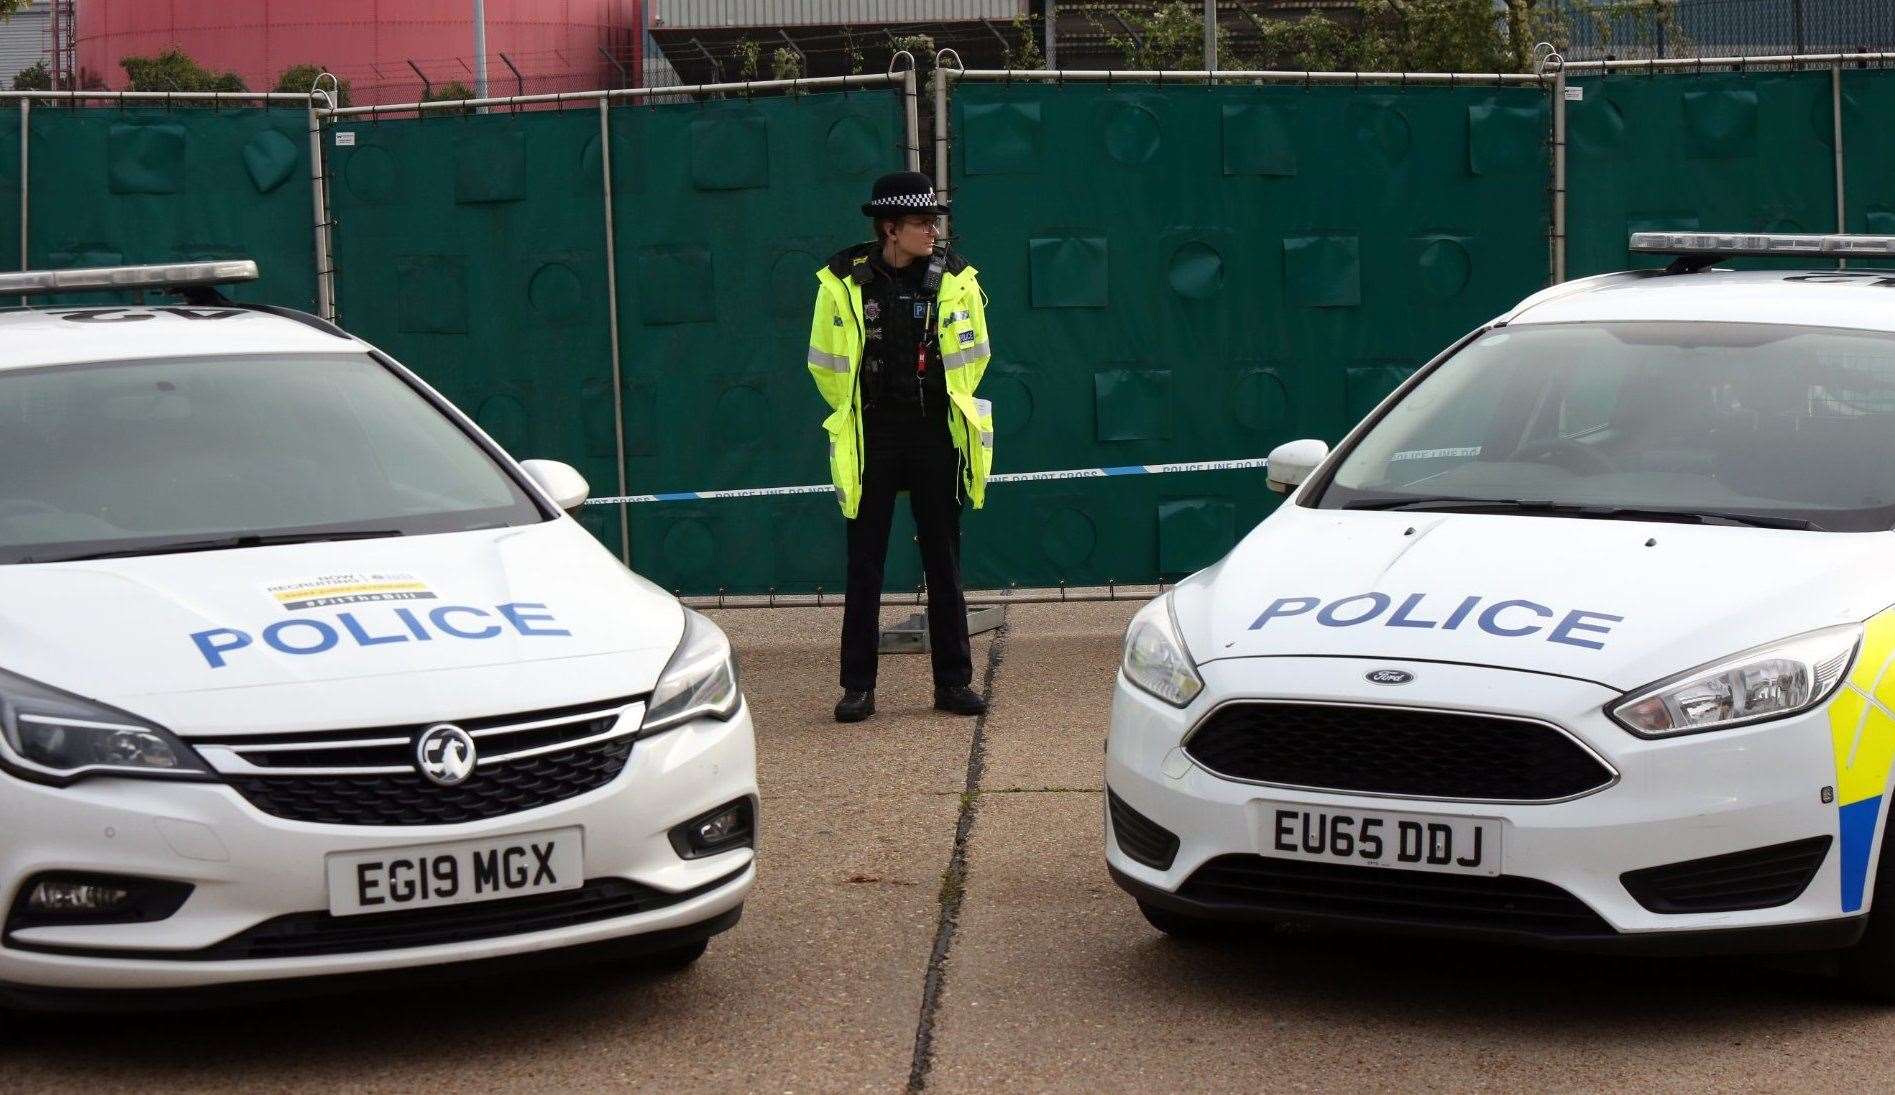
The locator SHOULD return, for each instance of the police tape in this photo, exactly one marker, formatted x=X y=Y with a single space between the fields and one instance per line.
x=1010 y=477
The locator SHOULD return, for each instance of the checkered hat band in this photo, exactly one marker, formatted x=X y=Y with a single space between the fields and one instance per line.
x=908 y=201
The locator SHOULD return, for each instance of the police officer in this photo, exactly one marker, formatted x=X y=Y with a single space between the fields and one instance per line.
x=897 y=347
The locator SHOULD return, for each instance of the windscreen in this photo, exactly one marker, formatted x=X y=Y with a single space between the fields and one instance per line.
x=140 y=457
x=1792 y=424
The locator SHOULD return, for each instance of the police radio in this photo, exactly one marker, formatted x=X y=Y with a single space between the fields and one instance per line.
x=931 y=288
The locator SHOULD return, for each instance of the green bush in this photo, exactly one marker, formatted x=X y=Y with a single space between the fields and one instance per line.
x=174 y=70
x=300 y=78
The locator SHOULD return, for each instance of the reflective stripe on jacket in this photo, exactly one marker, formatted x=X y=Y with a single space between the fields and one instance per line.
x=836 y=343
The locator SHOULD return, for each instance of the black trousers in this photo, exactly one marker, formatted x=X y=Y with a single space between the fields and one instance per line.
x=930 y=473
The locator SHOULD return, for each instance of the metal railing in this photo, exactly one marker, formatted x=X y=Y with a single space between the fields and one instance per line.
x=976 y=598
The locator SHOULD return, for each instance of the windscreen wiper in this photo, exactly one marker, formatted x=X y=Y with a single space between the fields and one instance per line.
x=223 y=543
x=1575 y=509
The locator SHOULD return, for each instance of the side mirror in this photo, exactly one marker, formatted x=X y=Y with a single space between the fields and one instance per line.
x=1292 y=461
x=566 y=486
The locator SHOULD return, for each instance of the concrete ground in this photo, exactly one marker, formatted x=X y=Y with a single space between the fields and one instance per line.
x=906 y=933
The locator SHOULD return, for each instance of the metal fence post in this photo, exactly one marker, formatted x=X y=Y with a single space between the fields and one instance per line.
x=943 y=181
x=1210 y=35
x=612 y=326
x=911 y=117
x=1842 y=207
x=1051 y=33
x=1559 y=175
x=319 y=202
x=26 y=109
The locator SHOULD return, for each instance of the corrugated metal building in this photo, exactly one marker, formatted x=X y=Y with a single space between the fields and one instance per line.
x=704 y=41
x=23 y=40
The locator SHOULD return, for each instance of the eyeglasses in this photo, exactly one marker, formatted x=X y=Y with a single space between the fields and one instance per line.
x=930 y=224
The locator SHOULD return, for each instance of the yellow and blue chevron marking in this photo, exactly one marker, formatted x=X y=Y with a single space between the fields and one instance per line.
x=1862 y=730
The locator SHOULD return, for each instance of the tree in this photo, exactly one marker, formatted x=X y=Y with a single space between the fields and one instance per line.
x=7 y=8
x=1438 y=35
x=300 y=78
x=34 y=77
x=1643 y=21
x=1168 y=39
x=453 y=89
x=38 y=77
x=786 y=64
x=1023 y=53
x=749 y=57
x=174 y=70
x=920 y=47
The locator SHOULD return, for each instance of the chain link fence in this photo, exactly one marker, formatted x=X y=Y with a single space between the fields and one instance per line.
x=1727 y=28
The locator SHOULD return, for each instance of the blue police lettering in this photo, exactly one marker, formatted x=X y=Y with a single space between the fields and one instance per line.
x=1576 y=621
x=1460 y=613
x=213 y=650
x=523 y=621
x=414 y=626
x=363 y=638
x=1329 y=617
x=439 y=618
x=377 y=628
x=1281 y=607
x=1489 y=619
x=1507 y=619
x=325 y=636
x=1400 y=618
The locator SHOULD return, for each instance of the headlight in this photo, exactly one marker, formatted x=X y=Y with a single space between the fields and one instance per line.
x=700 y=681
x=1156 y=659
x=52 y=736
x=1755 y=686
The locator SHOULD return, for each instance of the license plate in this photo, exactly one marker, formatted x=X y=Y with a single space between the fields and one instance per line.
x=1379 y=838
x=465 y=871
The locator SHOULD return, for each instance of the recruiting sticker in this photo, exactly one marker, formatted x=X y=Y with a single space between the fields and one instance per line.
x=331 y=590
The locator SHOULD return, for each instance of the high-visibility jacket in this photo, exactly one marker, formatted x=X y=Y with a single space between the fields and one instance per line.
x=836 y=342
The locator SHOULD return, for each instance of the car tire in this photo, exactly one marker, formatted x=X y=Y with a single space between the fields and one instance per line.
x=1181 y=925
x=677 y=958
x=1868 y=968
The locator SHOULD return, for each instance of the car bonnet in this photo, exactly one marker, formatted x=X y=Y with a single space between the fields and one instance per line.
x=1621 y=603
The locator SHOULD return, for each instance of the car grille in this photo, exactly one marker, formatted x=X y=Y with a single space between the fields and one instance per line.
x=313 y=934
x=369 y=776
x=1287 y=887
x=1396 y=751
x=1139 y=837
x=1761 y=878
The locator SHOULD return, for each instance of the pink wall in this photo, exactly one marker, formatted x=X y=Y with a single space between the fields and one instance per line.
x=554 y=43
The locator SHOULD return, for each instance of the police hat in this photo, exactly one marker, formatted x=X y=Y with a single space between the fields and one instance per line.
x=902 y=193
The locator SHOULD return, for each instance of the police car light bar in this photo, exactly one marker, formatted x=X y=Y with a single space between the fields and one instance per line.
x=176 y=275
x=1735 y=244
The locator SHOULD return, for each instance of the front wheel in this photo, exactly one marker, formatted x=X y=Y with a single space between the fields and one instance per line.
x=1868 y=968
x=1181 y=925
x=677 y=958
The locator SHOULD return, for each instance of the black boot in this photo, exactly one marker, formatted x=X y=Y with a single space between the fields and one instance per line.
x=855 y=706
x=959 y=699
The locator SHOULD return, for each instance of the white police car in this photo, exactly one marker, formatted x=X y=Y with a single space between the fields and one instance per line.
x=302 y=676
x=1583 y=637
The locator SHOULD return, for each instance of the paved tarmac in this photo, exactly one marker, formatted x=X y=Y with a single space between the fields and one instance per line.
x=907 y=933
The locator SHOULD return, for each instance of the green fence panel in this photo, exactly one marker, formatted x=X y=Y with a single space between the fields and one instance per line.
x=724 y=211
x=1735 y=153
x=1201 y=273
x=9 y=187
x=112 y=186
x=1868 y=145
x=472 y=249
